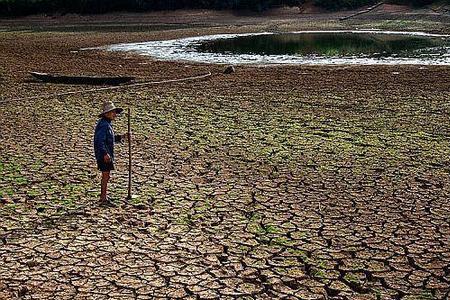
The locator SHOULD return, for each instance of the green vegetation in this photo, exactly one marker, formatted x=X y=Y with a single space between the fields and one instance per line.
x=351 y=278
x=8 y=191
x=318 y=273
x=377 y=294
x=426 y=295
x=11 y=207
x=11 y=174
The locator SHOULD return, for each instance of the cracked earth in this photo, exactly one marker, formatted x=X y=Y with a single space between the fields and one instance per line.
x=272 y=182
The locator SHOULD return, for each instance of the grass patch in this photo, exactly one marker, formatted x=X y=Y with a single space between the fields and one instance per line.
x=271 y=229
x=426 y=295
x=185 y=219
x=318 y=273
x=32 y=193
x=20 y=180
x=283 y=241
x=37 y=165
x=6 y=192
x=352 y=278
x=12 y=207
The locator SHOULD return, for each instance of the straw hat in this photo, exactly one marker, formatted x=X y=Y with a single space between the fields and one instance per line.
x=109 y=106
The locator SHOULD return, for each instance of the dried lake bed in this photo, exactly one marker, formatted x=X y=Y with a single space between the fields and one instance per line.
x=293 y=182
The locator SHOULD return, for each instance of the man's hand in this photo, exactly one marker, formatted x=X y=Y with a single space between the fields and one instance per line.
x=107 y=158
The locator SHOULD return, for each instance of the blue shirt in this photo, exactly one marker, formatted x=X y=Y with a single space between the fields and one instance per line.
x=104 y=139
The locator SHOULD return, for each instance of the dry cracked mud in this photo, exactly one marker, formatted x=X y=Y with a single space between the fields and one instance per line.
x=271 y=182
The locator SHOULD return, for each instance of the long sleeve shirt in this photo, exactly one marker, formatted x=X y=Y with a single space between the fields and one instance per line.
x=104 y=139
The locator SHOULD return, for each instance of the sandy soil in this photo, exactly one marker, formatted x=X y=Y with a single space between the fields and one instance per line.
x=292 y=182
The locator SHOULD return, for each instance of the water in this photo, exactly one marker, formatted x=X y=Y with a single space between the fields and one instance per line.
x=308 y=47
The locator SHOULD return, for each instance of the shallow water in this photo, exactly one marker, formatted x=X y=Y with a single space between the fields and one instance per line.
x=307 y=47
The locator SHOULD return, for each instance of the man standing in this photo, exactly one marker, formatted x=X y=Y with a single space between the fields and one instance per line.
x=104 y=140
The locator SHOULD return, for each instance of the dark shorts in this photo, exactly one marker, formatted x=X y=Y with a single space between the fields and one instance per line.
x=102 y=166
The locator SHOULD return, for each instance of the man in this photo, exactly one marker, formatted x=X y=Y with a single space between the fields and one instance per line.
x=104 y=140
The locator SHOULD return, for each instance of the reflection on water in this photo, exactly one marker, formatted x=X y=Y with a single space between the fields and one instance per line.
x=306 y=47
x=326 y=45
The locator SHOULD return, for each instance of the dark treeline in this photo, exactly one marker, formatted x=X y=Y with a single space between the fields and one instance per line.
x=23 y=7
x=26 y=7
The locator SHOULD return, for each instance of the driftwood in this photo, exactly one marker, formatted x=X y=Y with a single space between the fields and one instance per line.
x=362 y=12
x=92 y=80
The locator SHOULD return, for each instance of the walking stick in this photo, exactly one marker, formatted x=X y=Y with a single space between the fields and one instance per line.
x=129 y=154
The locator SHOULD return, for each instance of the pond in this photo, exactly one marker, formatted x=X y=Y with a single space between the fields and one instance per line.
x=306 y=47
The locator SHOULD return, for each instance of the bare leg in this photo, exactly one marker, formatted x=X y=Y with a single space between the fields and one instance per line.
x=104 y=186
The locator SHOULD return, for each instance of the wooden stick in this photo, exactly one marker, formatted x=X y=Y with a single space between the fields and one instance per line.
x=129 y=153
